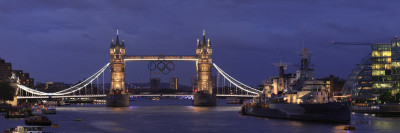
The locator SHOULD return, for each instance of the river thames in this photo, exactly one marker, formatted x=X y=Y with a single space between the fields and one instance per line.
x=177 y=115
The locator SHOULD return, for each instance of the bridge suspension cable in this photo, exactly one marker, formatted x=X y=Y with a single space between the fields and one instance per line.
x=235 y=82
x=72 y=89
x=83 y=84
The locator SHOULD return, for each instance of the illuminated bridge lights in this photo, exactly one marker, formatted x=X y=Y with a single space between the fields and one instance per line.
x=134 y=95
x=64 y=93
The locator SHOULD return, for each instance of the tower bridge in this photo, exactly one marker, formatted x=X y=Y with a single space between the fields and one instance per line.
x=205 y=94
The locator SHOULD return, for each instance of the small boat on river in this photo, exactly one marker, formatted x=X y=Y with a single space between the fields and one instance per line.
x=50 y=110
x=156 y=98
x=16 y=112
x=38 y=120
x=26 y=129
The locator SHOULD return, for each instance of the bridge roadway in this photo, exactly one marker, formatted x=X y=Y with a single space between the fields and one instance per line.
x=160 y=58
x=134 y=95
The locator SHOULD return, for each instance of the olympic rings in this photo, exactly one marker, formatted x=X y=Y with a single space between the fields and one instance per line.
x=169 y=67
x=152 y=66
x=165 y=71
x=156 y=71
x=162 y=64
x=161 y=67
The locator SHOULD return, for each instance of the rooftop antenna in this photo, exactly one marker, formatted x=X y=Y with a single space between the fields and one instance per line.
x=304 y=53
x=282 y=66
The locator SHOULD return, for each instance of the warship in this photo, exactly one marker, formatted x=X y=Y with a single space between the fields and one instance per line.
x=298 y=96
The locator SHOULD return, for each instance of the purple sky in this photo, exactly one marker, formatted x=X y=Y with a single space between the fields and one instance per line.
x=68 y=41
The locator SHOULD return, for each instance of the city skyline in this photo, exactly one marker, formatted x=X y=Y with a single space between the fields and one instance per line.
x=199 y=66
x=59 y=41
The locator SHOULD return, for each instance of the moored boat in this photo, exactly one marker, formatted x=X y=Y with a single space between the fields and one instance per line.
x=26 y=129
x=299 y=97
x=156 y=98
x=233 y=100
x=38 y=120
x=16 y=112
x=50 y=110
x=37 y=111
x=324 y=112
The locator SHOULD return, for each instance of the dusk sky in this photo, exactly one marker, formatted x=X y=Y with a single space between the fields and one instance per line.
x=66 y=41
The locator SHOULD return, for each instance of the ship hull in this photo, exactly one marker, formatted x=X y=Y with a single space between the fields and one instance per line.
x=326 y=112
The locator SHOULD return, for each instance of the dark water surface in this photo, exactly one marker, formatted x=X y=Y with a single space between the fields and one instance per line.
x=174 y=115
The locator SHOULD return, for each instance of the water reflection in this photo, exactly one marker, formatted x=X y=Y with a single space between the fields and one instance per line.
x=108 y=126
x=201 y=109
x=179 y=116
x=119 y=109
x=295 y=123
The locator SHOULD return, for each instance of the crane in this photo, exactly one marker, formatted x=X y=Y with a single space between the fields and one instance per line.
x=351 y=43
x=357 y=43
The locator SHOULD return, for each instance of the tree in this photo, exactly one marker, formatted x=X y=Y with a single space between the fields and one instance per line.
x=7 y=92
x=387 y=97
x=397 y=97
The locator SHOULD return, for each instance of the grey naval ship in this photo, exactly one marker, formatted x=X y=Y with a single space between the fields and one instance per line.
x=298 y=96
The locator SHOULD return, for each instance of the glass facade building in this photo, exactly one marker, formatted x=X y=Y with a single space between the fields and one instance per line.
x=385 y=58
x=395 y=51
x=359 y=82
x=377 y=73
x=381 y=59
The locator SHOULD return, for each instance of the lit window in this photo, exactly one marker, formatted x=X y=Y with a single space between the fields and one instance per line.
x=378 y=72
x=381 y=53
x=382 y=85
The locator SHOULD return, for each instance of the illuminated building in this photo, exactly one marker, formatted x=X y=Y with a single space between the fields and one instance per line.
x=381 y=67
x=204 y=54
x=376 y=74
x=117 y=63
x=118 y=96
x=155 y=84
x=194 y=83
x=395 y=66
x=55 y=86
x=24 y=78
x=173 y=84
x=385 y=66
x=335 y=85
x=5 y=70
x=359 y=82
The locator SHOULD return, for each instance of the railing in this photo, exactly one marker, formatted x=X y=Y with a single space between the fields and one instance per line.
x=135 y=95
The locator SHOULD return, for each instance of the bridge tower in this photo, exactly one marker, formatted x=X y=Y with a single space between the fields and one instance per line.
x=117 y=96
x=204 y=96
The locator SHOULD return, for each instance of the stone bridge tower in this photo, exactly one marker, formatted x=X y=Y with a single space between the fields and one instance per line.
x=204 y=95
x=117 y=96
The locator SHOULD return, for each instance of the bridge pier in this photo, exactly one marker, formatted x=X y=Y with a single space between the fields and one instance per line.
x=119 y=100
x=204 y=99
